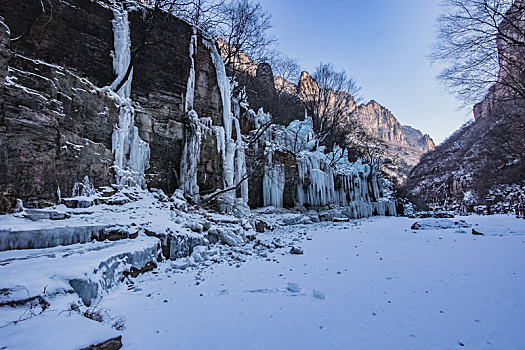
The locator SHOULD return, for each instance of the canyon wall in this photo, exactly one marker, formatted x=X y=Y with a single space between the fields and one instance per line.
x=57 y=123
x=489 y=150
x=130 y=95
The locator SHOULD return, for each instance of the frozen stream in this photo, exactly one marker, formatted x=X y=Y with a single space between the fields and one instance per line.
x=378 y=285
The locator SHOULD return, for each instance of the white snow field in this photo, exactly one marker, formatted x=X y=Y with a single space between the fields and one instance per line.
x=365 y=284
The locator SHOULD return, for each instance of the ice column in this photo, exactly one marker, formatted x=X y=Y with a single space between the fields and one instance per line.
x=131 y=153
x=193 y=136
x=190 y=87
x=234 y=163
x=191 y=156
x=273 y=182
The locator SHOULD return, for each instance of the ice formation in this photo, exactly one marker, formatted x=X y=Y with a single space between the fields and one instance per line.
x=233 y=157
x=131 y=153
x=190 y=88
x=324 y=178
x=240 y=166
x=193 y=133
x=191 y=156
x=273 y=182
x=84 y=188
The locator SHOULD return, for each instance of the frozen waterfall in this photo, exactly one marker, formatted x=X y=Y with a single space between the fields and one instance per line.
x=325 y=178
x=131 y=153
x=191 y=156
x=233 y=157
x=193 y=133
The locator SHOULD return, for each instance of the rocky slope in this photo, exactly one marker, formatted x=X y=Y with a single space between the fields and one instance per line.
x=404 y=144
x=379 y=121
x=483 y=153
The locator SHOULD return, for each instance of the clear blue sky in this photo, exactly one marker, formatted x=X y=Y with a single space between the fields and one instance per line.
x=382 y=44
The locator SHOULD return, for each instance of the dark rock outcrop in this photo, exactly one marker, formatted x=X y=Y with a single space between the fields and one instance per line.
x=110 y=344
x=57 y=123
x=56 y=129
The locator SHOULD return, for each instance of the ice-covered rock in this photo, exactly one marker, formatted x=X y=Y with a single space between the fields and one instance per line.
x=226 y=236
x=296 y=219
x=35 y=236
x=46 y=214
x=439 y=224
x=177 y=244
x=87 y=269
x=318 y=295
x=83 y=333
x=296 y=251
x=261 y=226
x=199 y=254
x=293 y=287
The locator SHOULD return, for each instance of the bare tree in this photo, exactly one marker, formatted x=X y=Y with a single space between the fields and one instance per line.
x=329 y=100
x=482 y=44
x=205 y=14
x=467 y=44
x=362 y=144
x=286 y=71
x=244 y=33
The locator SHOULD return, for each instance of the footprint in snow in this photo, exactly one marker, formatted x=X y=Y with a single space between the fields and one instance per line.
x=318 y=295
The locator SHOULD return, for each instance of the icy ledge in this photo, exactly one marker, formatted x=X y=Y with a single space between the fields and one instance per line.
x=88 y=269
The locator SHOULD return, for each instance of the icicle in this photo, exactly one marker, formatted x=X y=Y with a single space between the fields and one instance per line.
x=190 y=87
x=224 y=86
x=191 y=157
x=324 y=178
x=221 y=142
x=273 y=182
x=122 y=53
x=59 y=195
x=233 y=157
x=131 y=153
x=240 y=168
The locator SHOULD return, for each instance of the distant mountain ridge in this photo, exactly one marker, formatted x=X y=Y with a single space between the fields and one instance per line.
x=404 y=144
x=379 y=121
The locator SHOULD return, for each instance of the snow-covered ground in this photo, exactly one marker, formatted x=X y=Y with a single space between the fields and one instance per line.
x=365 y=284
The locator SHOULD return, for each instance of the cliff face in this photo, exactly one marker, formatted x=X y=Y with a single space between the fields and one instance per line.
x=488 y=151
x=55 y=128
x=379 y=121
x=404 y=144
x=127 y=95
x=57 y=123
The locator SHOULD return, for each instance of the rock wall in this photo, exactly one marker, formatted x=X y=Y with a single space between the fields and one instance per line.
x=55 y=128
x=56 y=121
x=60 y=65
x=488 y=151
x=381 y=122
